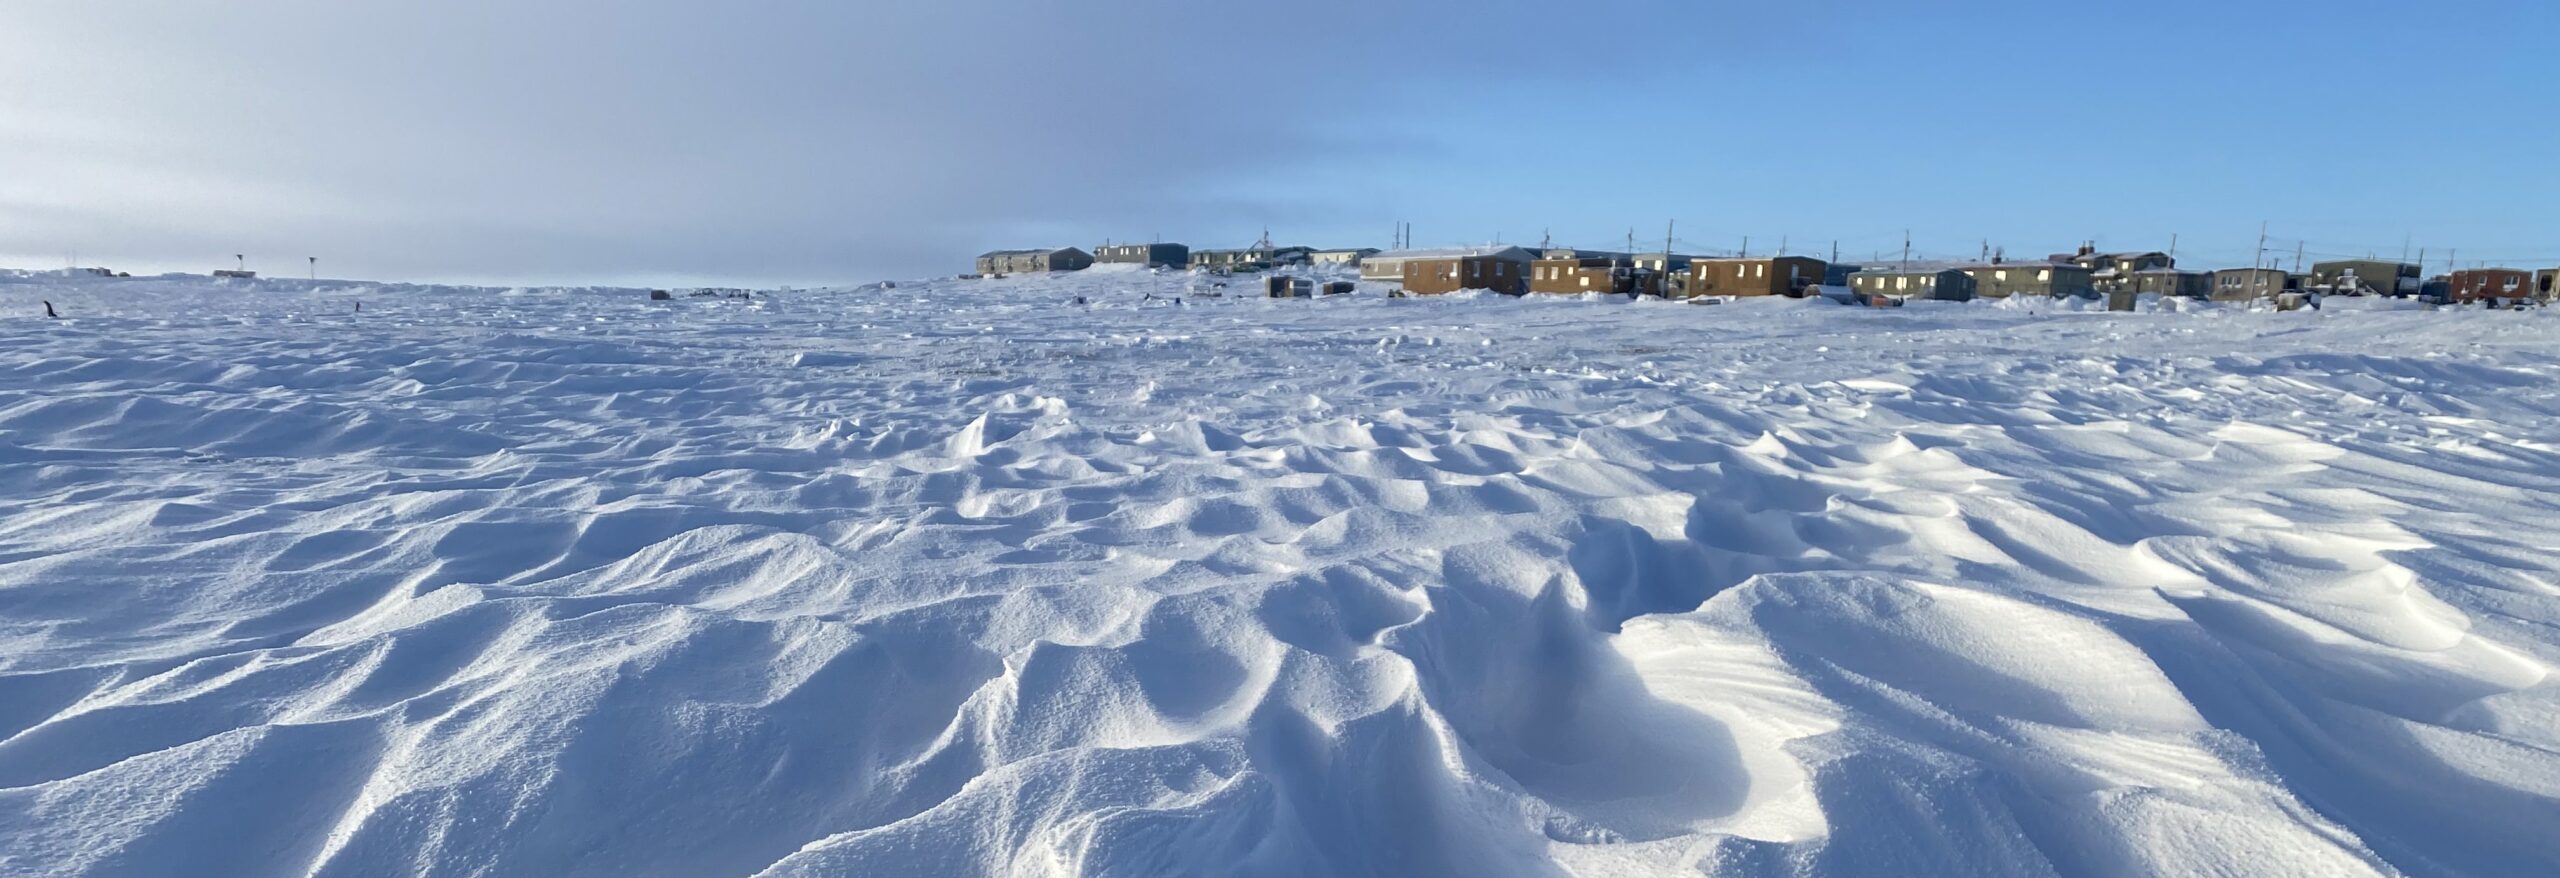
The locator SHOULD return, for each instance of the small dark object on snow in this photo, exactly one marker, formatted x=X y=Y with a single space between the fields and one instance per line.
x=1177 y=300
x=660 y=295
x=1337 y=288
x=359 y=307
x=1079 y=300
x=48 y=311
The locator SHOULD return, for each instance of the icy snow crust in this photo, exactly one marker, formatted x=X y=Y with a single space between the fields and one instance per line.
x=963 y=578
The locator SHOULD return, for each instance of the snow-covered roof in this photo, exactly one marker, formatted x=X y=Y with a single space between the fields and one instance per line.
x=1451 y=253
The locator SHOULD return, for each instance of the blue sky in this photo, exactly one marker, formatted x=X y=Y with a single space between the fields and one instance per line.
x=803 y=142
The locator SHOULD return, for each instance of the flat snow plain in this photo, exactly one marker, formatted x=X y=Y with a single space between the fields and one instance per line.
x=964 y=578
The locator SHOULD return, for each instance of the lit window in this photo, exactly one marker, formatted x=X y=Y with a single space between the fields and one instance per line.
x=2043 y=276
x=2000 y=275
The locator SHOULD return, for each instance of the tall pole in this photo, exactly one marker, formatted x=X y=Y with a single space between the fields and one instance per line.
x=2258 y=269
x=1746 y=247
x=315 y=267
x=1906 y=249
x=2297 y=257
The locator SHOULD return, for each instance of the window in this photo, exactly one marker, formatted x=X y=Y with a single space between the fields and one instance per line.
x=1586 y=283
x=2044 y=275
x=1901 y=283
x=2001 y=275
x=1760 y=270
x=1475 y=270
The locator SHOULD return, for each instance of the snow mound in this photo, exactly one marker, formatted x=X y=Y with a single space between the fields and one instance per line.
x=1055 y=576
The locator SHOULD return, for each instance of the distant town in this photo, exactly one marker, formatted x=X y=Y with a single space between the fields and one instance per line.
x=2118 y=278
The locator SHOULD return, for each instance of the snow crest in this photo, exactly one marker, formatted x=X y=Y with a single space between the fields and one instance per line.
x=1053 y=576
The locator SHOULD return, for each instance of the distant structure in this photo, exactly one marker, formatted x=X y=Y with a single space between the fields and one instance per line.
x=1150 y=255
x=1255 y=258
x=2167 y=282
x=2251 y=284
x=1501 y=269
x=1755 y=276
x=2490 y=285
x=1342 y=256
x=2546 y=284
x=2060 y=278
x=240 y=273
x=2108 y=265
x=1947 y=284
x=2364 y=277
x=1033 y=261
x=1574 y=275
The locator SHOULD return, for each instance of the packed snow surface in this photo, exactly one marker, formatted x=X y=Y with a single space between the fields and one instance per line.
x=970 y=578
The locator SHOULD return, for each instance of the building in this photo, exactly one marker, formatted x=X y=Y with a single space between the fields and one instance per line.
x=1350 y=256
x=1251 y=258
x=1388 y=266
x=1758 y=276
x=1030 y=261
x=1837 y=274
x=2251 y=284
x=2166 y=282
x=1150 y=255
x=2486 y=284
x=2099 y=264
x=1918 y=283
x=2000 y=280
x=1499 y=269
x=2363 y=277
x=1589 y=274
x=2546 y=284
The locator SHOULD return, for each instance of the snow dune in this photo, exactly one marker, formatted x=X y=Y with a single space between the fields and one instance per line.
x=960 y=577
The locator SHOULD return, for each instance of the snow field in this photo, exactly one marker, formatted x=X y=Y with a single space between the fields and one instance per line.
x=961 y=578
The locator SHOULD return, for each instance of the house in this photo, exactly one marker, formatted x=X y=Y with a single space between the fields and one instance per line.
x=2166 y=282
x=1754 y=276
x=2363 y=277
x=1149 y=255
x=2546 y=284
x=2490 y=284
x=1251 y=258
x=1589 y=274
x=2251 y=284
x=2000 y=280
x=1350 y=256
x=1388 y=266
x=1919 y=283
x=2101 y=264
x=1030 y=261
x=1500 y=269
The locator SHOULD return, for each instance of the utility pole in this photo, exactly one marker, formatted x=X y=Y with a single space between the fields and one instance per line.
x=2297 y=257
x=1906 y=249
x=315 y=267
x=244 y=261
x=2258 y=268
x=1835 y=250
x=1666 y=244
x=1546 y=241
x=1746 y=247
x=1782 y=245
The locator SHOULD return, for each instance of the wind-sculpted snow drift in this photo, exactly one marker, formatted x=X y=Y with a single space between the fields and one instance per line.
x=963 y=578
